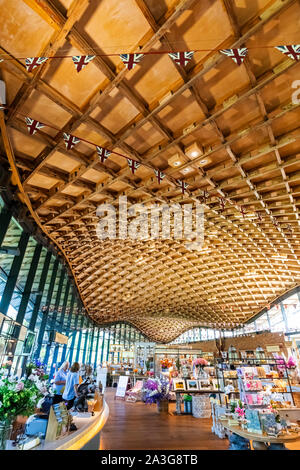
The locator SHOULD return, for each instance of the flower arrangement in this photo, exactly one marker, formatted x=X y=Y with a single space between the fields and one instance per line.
x=166 y=363
x=18 y=396
x=150 y=373
x=200 y=362
x=291 y=364
x=156 y=390
x=37 y=368
x=240 y=411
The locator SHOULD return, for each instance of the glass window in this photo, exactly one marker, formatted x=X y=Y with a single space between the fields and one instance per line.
x=276 y=319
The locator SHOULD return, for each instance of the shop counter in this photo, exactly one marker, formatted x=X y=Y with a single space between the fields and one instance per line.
x=86 y=437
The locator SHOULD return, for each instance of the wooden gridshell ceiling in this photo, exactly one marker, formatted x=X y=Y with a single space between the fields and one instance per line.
x=242 y=118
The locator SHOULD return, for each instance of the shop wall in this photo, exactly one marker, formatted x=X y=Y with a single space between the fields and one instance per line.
x=243 y=343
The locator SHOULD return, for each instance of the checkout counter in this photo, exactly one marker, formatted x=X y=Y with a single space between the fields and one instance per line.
x=86 y=437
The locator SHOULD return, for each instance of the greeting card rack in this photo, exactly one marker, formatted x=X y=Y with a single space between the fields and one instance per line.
x=261 y=373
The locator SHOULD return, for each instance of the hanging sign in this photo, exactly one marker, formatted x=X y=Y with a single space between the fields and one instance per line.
x=122 y=386
x=273 y=348
x=224 y=354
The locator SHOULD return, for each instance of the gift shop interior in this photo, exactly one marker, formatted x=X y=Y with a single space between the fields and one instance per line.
x=149 y=225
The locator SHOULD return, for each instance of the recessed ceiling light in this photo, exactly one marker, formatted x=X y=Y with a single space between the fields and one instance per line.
x=176 y=161
x=186 y=170
x=194 y=150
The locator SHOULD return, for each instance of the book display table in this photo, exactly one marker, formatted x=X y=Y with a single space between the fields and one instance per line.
x=260 y=441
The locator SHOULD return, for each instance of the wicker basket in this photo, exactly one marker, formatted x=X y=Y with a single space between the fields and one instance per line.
x=201 y=406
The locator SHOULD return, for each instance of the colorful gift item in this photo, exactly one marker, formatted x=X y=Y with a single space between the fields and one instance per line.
x=187 y=403
x=268 y=421
x=253 y=385
x=253 y=421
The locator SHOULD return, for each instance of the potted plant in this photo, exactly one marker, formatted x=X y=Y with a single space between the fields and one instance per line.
x=157 y=391
x=17 y=397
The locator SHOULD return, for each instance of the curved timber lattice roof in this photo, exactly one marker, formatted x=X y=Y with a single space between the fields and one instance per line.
x=241 y=117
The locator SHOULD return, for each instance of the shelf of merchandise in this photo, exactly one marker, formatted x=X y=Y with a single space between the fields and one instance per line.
x=271 y=362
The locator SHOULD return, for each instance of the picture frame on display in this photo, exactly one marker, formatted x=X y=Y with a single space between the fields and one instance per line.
x=192 y=384
x=204 y=384
x=179 y=384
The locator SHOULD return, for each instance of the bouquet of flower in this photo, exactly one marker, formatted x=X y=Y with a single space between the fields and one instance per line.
x=18 y=397
x=166 y=363
x=240 y=411
x=156 y=390
x=200 y=362
x=37 y=368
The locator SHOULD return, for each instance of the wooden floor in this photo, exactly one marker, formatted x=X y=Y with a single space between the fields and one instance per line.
x=136 y=426
x=139 y=426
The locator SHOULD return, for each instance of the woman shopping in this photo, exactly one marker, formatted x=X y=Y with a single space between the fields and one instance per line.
x=71 y=387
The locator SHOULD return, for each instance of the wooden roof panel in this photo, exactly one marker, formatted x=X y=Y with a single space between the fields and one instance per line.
x=205 y=16
x=246 y=11
x=42 y=181
x=25 y=143
x=16 y=36
x=115 y=112
x=240 y=117
x=114 y=26
x=80 y=86
x=159 y=80
x=144 y=138
x=34 y=107
x=222 y=82
x=63 y=162
x=182 y=111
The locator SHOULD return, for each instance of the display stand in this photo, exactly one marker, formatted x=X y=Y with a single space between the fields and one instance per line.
x=58 y=422
x=224 y=366
x=194 y=392
x=122 y=387
x=216 y=411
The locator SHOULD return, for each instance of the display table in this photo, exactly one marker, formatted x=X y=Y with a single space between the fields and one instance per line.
x=259 y=441
x=87 y=436
x=194 y=392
